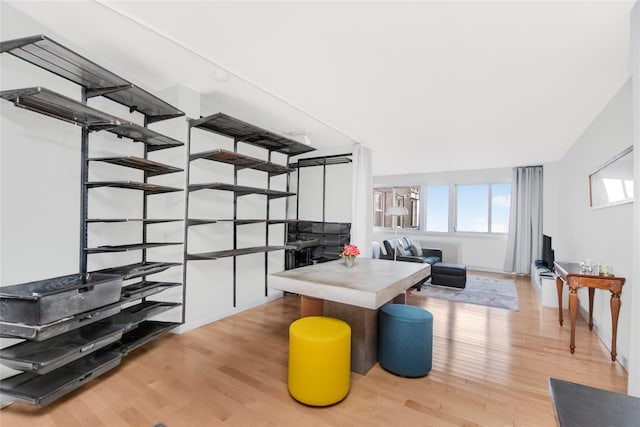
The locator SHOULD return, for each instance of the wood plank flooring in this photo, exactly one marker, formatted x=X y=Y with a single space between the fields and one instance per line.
x=490 y=368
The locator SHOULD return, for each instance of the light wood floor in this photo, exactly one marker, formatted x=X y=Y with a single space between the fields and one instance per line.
x=490 y=368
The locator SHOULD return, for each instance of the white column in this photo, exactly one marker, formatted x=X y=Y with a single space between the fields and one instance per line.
x=633 y=387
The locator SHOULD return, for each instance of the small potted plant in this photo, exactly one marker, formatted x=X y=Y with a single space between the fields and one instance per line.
x=349 y=253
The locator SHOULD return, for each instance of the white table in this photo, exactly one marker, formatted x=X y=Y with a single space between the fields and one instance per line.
x=353 y=295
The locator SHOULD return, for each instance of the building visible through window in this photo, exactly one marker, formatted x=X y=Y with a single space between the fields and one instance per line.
x=402 y=197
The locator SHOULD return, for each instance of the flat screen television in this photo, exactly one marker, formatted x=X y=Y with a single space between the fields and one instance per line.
x=547 y=252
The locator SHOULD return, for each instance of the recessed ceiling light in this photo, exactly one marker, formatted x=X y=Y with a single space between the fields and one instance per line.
x=220 y=76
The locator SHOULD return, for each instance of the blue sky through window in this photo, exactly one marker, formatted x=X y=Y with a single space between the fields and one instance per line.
x=473 y=208
x=438 y=208
x=500 y=206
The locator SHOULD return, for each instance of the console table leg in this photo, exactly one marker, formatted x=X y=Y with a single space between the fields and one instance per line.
x=559 y=285
x=592 y=291
x=615 y=311
x=573 y=311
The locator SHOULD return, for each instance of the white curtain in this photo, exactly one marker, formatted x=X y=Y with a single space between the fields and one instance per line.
x=524 y=243
x=362 y=200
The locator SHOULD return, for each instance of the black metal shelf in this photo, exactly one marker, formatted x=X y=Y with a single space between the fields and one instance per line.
x=241 y=161
x=140 y=335
x=142 y=220
x=45 y=356
x=336 y=159
x=150 y=167
x=131 y=271
x=132 y=185
x=240 y=190
x=131 y=316
x=50 y=330
x=199 y=221
x=47 y=102
x=241 y=131
x=51 y=56
x=144 y=289
x=41 y=390
x=131 y=247
x=153 y=140
x=233 y=252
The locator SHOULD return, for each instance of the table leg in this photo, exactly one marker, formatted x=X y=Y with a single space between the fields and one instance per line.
x=364 y=333
x=573 y=312
x=615 y=311
x=559 y=285
x=592 y=291
x=400 y=299
x=310 y=306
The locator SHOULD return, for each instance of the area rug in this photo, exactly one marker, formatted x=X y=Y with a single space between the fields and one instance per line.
x=480 y=290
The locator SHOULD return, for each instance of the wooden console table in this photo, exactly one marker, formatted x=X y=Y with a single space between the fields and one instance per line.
x=571 y=274
x=353 y=295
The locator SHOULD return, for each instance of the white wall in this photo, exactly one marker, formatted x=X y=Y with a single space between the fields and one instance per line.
x=336 y=182
x=484 y=252
x=602 y=235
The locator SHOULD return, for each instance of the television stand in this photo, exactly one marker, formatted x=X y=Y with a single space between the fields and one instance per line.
x=543 y=281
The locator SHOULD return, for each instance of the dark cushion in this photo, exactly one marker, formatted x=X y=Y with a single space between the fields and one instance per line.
x=453 y=275
x=400 y=245
x=431 y=259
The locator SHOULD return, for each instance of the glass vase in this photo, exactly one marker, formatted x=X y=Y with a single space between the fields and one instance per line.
x=349 y=261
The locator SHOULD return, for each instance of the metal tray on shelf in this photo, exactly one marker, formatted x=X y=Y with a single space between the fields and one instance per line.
x=50 y=330
x=131 y=316
x=43 y=389
x=132 y=271
x=45 y=301
x=144 y=289
x=45 y=356
x=142 y=334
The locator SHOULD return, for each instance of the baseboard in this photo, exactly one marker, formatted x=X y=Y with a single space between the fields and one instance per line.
x=604 y=336
x=488 y=270
x=205 y=320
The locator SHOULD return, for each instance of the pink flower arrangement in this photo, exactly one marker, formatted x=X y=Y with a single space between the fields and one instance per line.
x=350 y=251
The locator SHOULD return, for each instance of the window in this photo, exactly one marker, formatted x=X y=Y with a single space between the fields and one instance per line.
x=437 y=208
x=500 y=207
x=468 y=208
x=385 y=199
x=483 y=208
x=472 y=205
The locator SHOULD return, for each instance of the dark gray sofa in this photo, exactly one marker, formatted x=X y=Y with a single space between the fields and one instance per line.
x=408 y=250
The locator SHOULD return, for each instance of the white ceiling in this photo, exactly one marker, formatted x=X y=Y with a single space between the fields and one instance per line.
x=428 y=86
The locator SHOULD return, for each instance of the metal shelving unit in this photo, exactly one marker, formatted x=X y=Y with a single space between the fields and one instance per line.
x=329 y=237
x=61 y=355
x=246 y=133
x=96 y=80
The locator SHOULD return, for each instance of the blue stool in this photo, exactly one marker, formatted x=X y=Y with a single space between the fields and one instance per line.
x=405 y=340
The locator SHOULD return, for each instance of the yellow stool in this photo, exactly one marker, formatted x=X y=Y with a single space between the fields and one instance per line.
x=319 y=360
